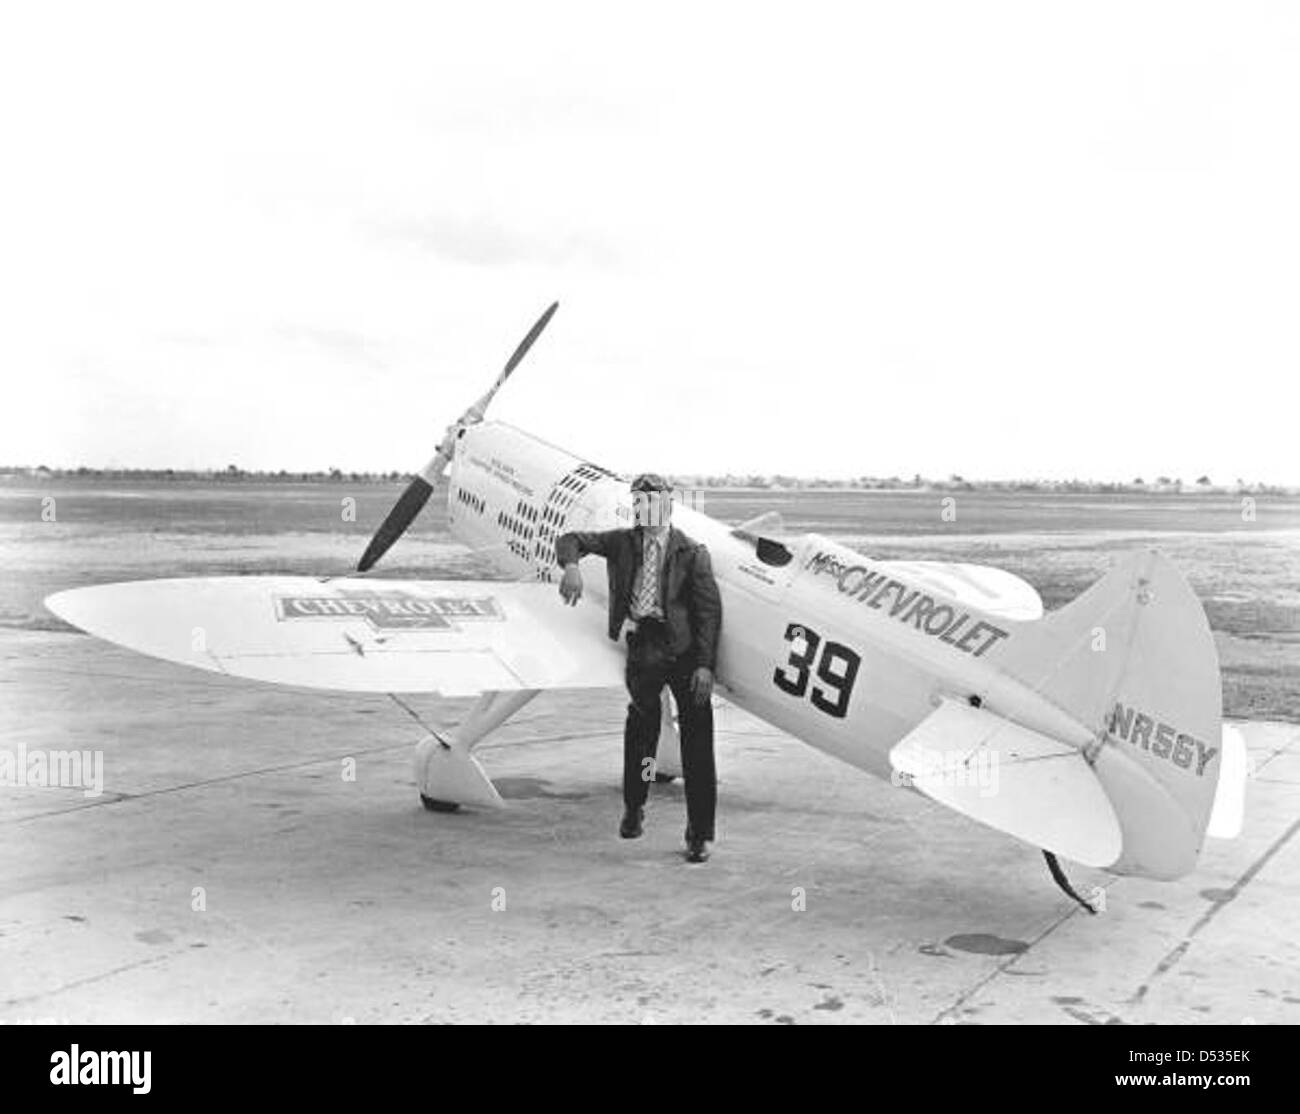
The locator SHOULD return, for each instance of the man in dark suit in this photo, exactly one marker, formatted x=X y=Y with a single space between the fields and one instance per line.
x=663 y=595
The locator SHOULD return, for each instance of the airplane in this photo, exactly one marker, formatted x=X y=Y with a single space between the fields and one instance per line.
x=1093 y=732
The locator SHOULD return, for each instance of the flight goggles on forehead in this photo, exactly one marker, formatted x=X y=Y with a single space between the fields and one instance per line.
x=651 y=481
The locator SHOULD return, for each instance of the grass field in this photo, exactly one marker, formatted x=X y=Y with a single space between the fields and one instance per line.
x=1245 y=569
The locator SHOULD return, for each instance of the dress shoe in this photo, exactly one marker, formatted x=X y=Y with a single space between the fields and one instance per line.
x=697 y=851
x=630 y=828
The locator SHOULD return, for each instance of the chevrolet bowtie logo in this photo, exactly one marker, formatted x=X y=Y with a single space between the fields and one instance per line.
x=390 y=611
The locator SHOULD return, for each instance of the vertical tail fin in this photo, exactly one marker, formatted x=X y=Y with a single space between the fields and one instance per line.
x=1133 y=660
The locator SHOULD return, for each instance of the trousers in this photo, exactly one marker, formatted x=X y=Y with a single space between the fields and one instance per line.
x=651 y=664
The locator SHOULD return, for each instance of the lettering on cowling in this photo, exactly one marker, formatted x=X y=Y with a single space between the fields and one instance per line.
x=873 y=588
x=1159 y=739
x=503 y=471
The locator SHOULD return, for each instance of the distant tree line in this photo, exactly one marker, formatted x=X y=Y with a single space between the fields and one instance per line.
x=775 y=482
x=1160 y=485
x=231 y=473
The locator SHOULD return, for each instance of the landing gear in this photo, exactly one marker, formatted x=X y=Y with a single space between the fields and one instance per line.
x=1058 y=876
x=446 y=774
x=668 y=752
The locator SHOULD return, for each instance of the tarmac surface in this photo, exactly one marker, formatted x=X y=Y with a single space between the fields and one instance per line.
x=259 y=854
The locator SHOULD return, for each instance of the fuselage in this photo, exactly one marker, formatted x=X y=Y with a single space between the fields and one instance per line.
x=833 y=647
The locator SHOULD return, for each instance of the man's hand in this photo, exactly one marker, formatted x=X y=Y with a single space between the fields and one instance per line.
x=702 y=685
x=571 y=585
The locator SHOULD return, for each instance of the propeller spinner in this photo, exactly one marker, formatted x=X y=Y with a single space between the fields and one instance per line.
x=418 y=491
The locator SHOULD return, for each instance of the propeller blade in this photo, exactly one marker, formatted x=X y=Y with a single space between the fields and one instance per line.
x=418 y=491
x=475 y=412
x=527 y=343
x=399 y=518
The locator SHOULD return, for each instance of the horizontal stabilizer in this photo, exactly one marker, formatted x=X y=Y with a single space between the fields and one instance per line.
x=995 y=591
x=1019 y=781
x=1229 y=810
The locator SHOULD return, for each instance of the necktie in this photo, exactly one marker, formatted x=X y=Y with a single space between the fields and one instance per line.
x=647 y=596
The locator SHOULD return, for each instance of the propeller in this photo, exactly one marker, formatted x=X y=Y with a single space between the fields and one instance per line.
x=418 y=491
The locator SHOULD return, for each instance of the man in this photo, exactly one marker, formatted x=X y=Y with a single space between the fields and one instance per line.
x=662 y=593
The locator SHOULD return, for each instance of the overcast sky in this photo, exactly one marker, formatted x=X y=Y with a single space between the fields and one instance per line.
x=1037 y=239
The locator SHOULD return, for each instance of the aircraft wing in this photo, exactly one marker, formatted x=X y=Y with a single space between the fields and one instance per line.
x=452 y=637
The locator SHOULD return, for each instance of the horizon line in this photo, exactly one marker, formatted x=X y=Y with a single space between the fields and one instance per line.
x=749 y=480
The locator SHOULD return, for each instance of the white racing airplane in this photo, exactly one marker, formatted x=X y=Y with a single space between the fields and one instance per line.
x=1101 y=721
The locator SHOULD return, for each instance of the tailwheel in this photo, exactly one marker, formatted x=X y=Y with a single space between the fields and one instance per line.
x=432 y=804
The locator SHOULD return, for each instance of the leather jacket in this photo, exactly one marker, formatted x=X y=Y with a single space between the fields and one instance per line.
x=691 y=602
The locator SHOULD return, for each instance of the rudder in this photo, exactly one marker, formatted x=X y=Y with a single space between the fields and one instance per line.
x=1133 y=660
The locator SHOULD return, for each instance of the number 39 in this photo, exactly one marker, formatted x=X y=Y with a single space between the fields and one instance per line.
x=837 y=668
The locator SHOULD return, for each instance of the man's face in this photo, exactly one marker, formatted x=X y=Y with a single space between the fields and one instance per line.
x=653 y=509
